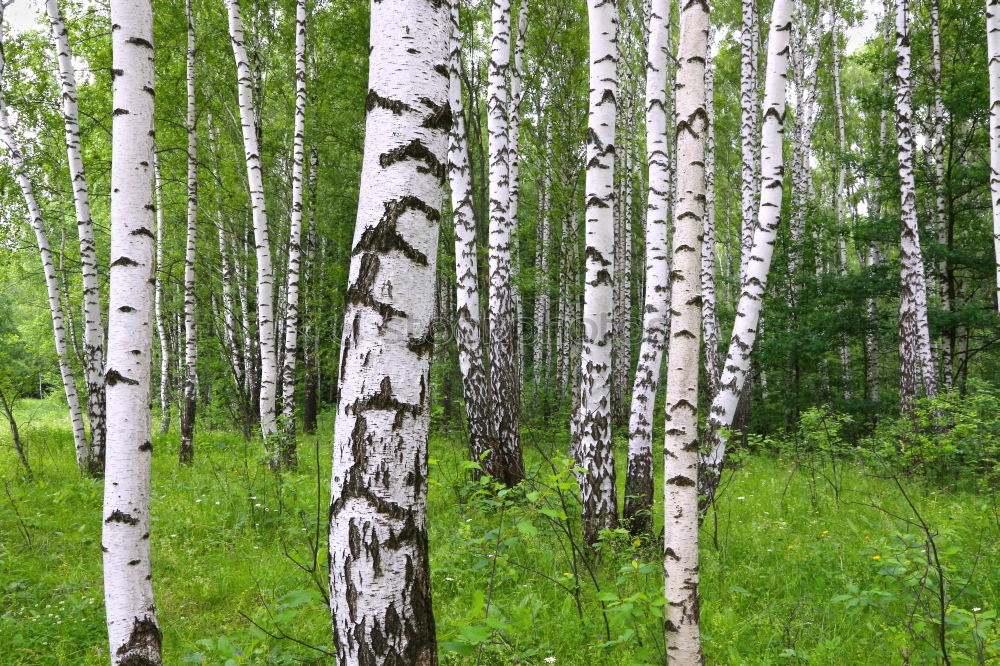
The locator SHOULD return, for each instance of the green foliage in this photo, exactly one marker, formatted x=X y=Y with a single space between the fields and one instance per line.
x=950 y=438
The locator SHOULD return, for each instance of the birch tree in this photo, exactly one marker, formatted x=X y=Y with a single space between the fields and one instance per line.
x=468 y=328
x=595 y=453
x=288 y=446
x=709 y=312
x=680 y=445
x=940 y=205
x=49 y=269
x=917 y=375
x=504 y=389
x=161 y=329
x=754 y=283
x=749 y=127
x=379 y=570
x=190 y=256
x=93 y=331
x=638 y=503
x=265 y=273
x=133 y=630
x=993 y=44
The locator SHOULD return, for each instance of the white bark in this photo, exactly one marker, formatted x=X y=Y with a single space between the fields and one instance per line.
x=993 y=43
x=656 y=313
x=288 y=453
x=917 y=372
x=937 y=153
x=379 y=570
x=190 y=256
x=265 y=274
x=595 y=453
x=680 y=445
x=840 y=192
x=51 y=279
x=737 y=364
x=468 y=329
x=161 y=329
x=542 y=360
x=749 y=128
x=709 y=313
x=133 y=631
x=505 y=396
x=93 y=332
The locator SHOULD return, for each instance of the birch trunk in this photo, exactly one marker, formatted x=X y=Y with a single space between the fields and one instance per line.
x=505 y=396
x=265 y=275
x=186 y=453
x=133 y=630
x=468 y=329
x=638 y=506
x=542 y=359
x=750 y=128
x=840 y=191
x=993 y=43
x=916 y=366
x=595 y=453
x=288 y=445
x=83 y=456
x=744 y=334
x=379 y=571
x=93 y=331
x=161 y=328
x=709 y=313
x=680 y=445
x=940 y=212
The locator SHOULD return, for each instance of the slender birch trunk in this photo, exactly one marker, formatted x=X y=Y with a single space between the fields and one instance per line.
x=940 y=210
x=917 y=375
x=744 y=334
x=505 y=396
x=541 y=348
x=840 y=191
x=680 y=445
x=709 y=313
x=514 y=152
x=288 y=446
x=83 y=456
x=750 y=128
x=639 y=472
x=310 y=397
x=161 y=329
x=93 y=332
x=993 y=43
x=186 y=454
x=595 y=453
x=133 y=630
x=468 y=329
x=265 y=275
x=380 y=592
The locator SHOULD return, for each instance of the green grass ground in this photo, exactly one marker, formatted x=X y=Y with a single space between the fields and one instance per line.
x=789 y=573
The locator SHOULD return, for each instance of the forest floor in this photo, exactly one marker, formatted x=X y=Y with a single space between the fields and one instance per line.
x=803 y=561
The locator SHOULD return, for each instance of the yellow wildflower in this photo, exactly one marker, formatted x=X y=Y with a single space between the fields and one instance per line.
x=876 y=557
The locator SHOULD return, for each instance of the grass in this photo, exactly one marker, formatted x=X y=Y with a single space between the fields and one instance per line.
x=778 y=552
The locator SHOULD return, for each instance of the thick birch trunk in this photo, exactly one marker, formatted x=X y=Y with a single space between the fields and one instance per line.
x=288 y=446
x=737 y=364
x=993 y=43
x=51 y=279
x=265 y=275
x=917 y=375
x=639 y=472
x=468 y=329
x=133 y=630
x=680 y=446
x=504 y=383
x=93 y=332
x=379 y=571
x=186 y=453
x=595 y=453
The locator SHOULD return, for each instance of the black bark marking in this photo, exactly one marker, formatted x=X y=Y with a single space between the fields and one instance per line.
x=112 y=377
x=118 y=516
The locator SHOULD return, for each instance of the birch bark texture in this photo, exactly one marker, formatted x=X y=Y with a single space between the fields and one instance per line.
x=9 y=141
x=504 y=383
x=917 y=375
x=754 y=283
x=133 y=630
x=680 y=444
x=468 y=328
x=638 y=503
x=161 y=329
x=186 y=453
x=265 y=271
x=93 y=330
x=288 y=447
x=749 y=127
x=709 y=311
x=993 y=49
x=379 y=571
x=595 y=452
